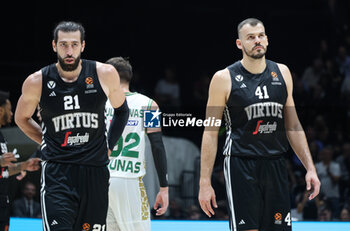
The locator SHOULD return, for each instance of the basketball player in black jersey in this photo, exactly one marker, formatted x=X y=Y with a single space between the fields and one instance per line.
x=8 y=168
x=255 y=97
x=72 y=94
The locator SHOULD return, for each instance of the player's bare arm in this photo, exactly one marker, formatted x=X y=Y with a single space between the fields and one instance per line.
x=6 y=159
x=32 y=164
x=159 y=157
x=27 y=103
x=297 y=138
x=110 y=82
x=219 y=90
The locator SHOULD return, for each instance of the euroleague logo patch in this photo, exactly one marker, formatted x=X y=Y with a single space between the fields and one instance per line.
x=89 y=85
x=278 y=218
x=275 y=79
x=274 y=74
x=86 y=226
x=89 y=80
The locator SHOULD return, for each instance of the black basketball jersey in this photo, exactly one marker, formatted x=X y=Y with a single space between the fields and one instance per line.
x=4 y=173
x=73 y=121
x=254 y=112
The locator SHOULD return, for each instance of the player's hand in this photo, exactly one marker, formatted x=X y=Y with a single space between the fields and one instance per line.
x=207 y=198
x=6 y=159
x=109 y=152
x=162 y=199
x=313 y=184
x=32 y=164
x=21 y=175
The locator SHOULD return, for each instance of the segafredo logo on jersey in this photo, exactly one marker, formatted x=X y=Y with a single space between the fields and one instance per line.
x=75 y=120
x=265 y=128
x=74 y=140
x=151 y=118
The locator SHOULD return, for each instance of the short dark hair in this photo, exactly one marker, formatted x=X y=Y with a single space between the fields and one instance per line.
x=4 y=96
x=123 y=66
x=250 y=21
x=69 y=26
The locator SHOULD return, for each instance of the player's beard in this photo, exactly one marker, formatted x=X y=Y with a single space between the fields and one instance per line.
x=68 y=67
x=258 y=55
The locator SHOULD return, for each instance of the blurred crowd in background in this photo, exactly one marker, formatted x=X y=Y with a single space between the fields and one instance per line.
x=322 y=98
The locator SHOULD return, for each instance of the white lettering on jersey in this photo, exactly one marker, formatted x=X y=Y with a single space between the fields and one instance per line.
x=266 y=109
x=75 y=120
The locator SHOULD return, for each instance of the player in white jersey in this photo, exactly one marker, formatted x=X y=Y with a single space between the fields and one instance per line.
x=128 y=204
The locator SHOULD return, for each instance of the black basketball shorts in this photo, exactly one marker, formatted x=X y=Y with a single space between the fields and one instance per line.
x=257 y=193
x=74 y=197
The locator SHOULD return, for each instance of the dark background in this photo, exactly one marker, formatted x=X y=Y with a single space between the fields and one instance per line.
x=194 y=36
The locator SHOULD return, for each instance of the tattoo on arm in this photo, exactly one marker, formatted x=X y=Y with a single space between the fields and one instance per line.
x=13 y=170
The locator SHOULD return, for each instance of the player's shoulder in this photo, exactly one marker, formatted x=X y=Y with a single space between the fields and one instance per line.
x=222 y=77
x=104 y=68
x=140 y=98
x=285 y=73
x=34 y=79
x=223 y=73
x=283 y=67
x=32 y=85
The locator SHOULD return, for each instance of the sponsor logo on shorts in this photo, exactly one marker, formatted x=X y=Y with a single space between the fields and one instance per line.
x=241 y=222
x=86 y=227
x=54 y=222
x=278 y=218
